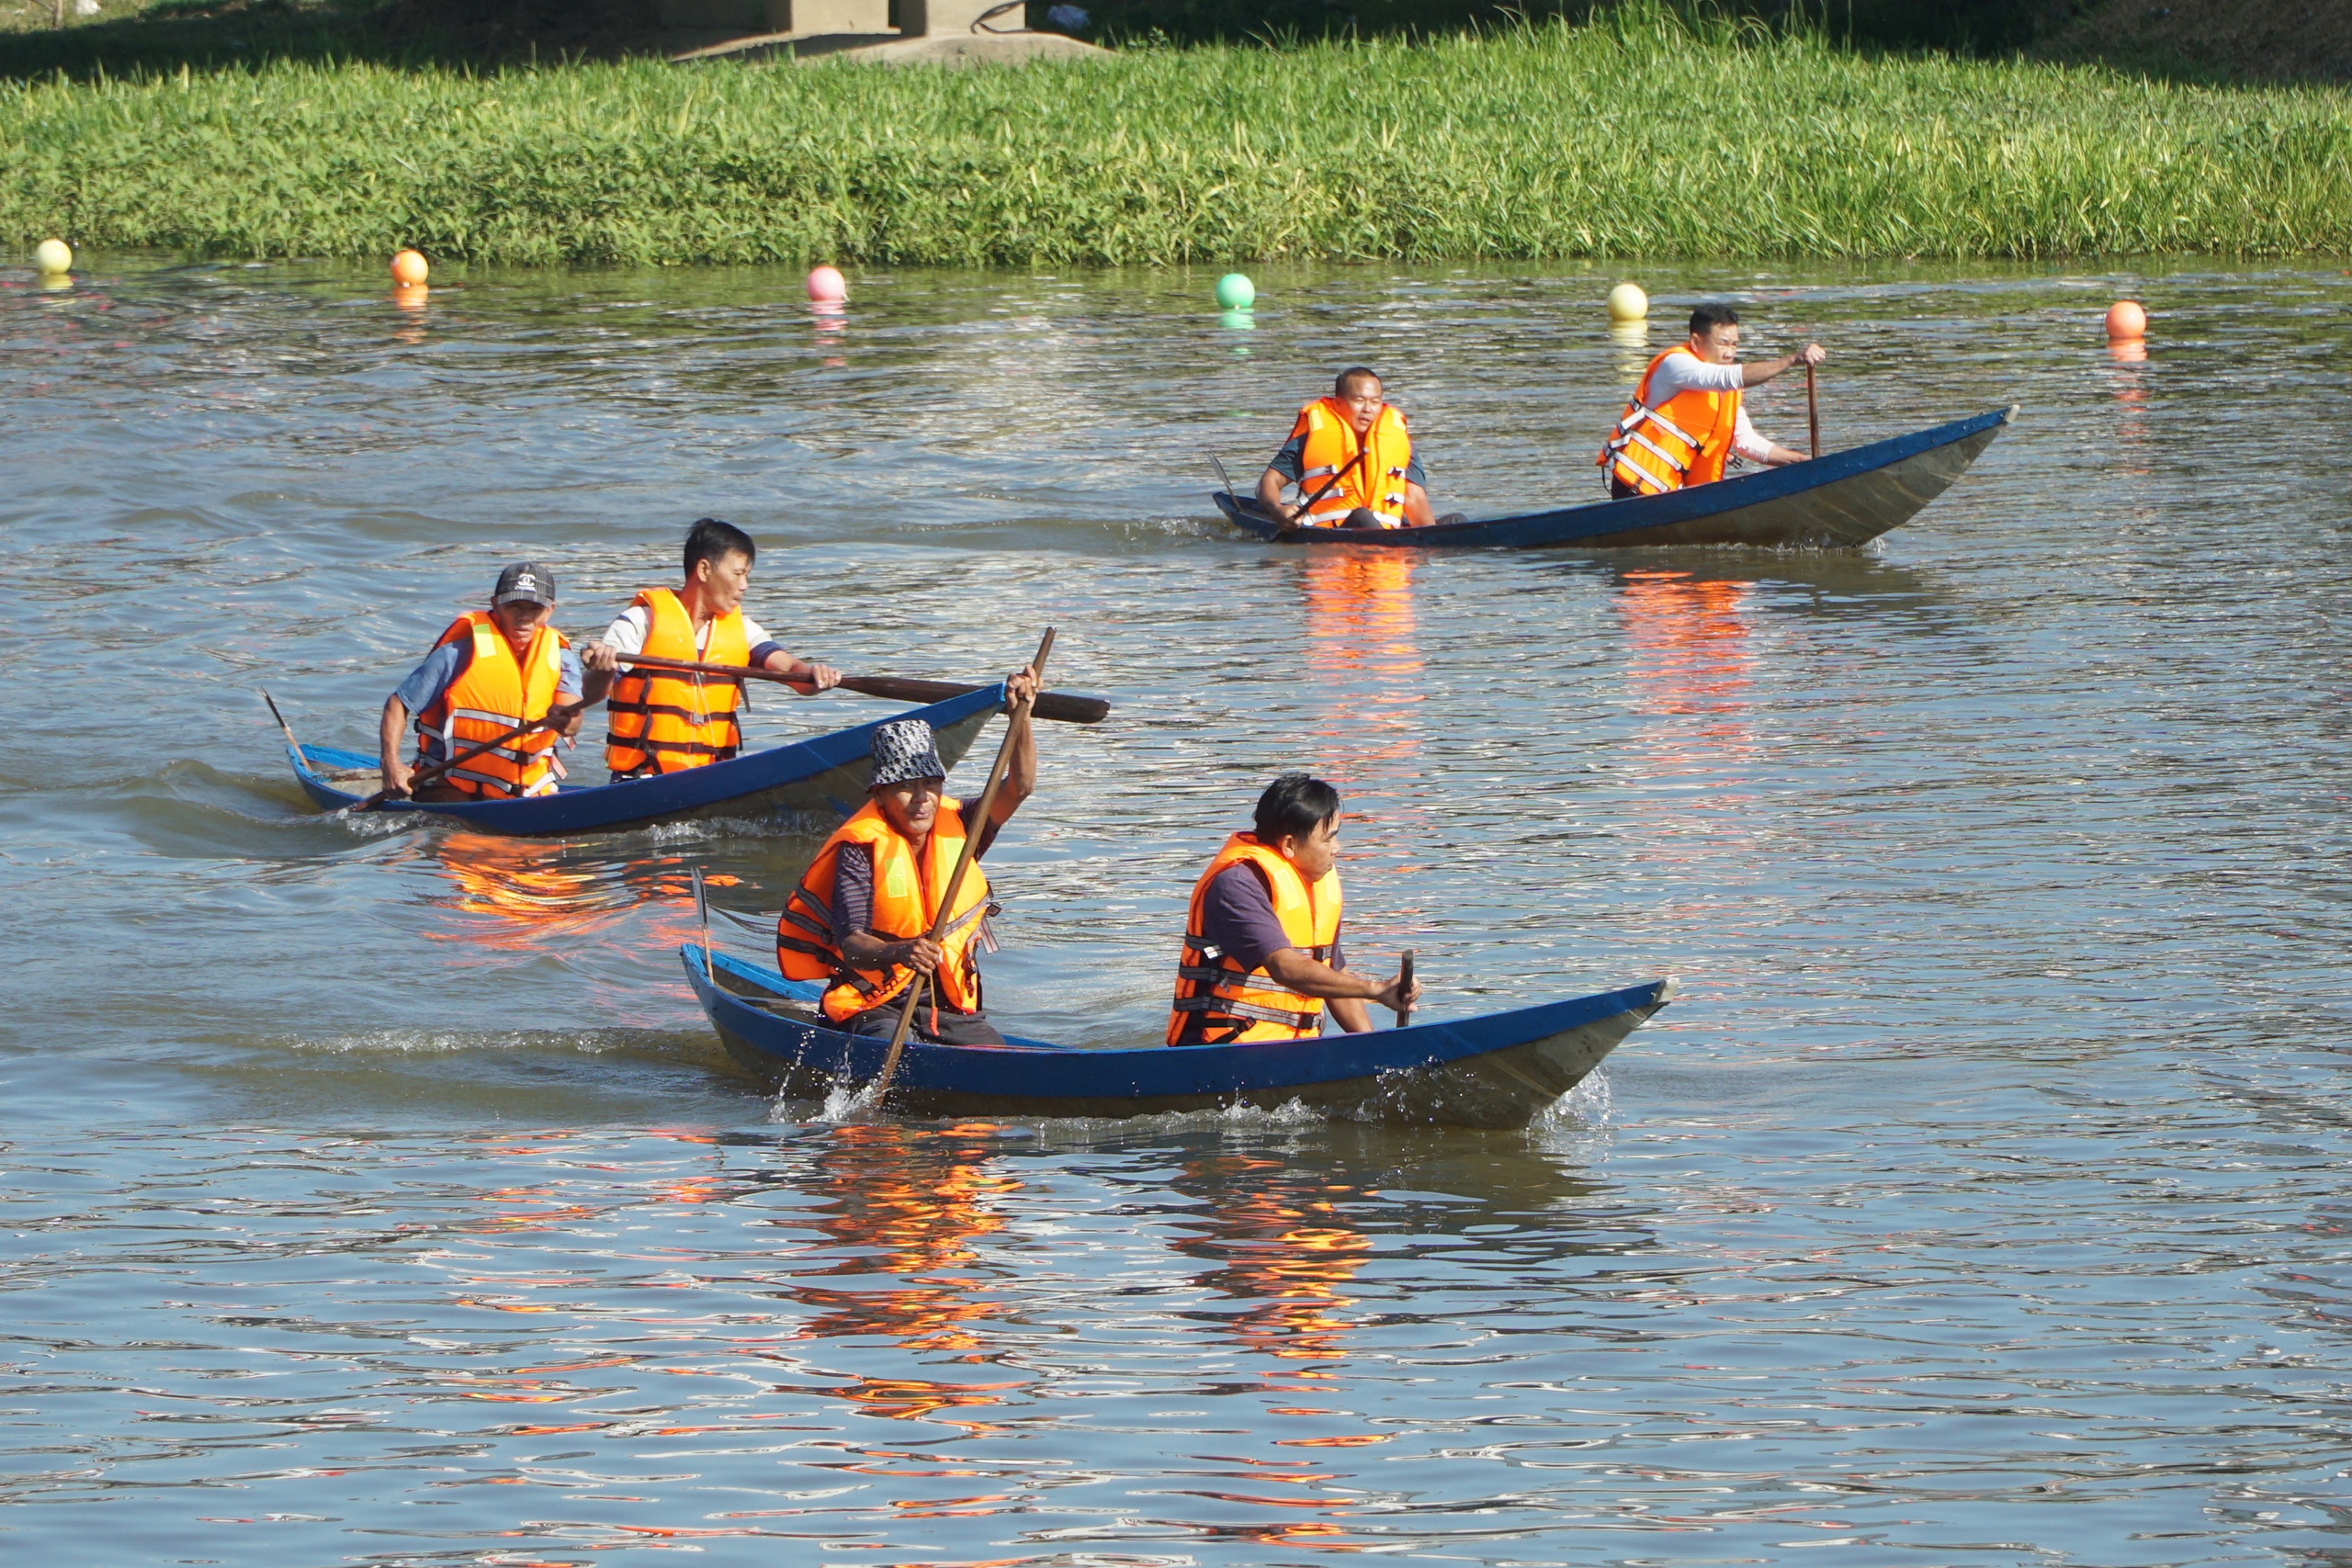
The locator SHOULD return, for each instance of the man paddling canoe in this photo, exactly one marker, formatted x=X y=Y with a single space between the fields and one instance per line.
x=1352 y=461
x=1686 y=419
x=860 y=916
x=663 y=721
x=1262 y=958
x=492 y=672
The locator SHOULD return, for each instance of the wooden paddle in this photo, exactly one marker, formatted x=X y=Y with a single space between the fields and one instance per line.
x=1812 y=414
x=283 y=725
x=1404 y=989
x=1337 y=474
x=556 y=719
x=896 y=688
x=974 y=826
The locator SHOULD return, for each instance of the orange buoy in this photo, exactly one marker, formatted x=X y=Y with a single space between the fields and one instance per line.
x=409 y=268
x=2126 y=321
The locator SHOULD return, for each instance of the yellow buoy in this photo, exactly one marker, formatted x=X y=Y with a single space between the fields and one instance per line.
x=53 y=256
x=1628 y=303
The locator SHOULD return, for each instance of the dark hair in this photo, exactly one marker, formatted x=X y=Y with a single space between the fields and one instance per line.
x=1294 y=804
x=712 y=540
x=1706 y=318
x=1339 y=382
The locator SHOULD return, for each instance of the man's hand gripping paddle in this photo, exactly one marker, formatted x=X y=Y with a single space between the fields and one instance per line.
x=557 y=718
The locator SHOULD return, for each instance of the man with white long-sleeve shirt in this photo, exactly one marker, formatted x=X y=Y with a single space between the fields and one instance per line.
x=1686 y=421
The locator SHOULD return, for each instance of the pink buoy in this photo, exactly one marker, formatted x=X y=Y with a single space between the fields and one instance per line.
x=827 y=285
x=2126 y=321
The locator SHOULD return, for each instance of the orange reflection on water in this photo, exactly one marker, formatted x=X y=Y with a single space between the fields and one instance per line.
x=1692 y=670
x=1364 y=665
x=1278 y=1242
x=518 y=894
x=1689 y=637
x=910 y=1202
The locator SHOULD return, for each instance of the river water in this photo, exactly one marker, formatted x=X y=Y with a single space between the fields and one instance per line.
x=377 y=1194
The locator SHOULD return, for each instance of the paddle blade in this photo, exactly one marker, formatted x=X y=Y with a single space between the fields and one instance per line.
x=1057 y=706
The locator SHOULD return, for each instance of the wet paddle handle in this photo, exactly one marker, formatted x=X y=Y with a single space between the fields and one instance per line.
x=896 y=688
x=1811 y=414
x=1405 y=988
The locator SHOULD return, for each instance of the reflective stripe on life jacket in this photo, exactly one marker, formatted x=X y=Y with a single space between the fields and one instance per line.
x=1221 y=1003
x=1685 y=441
x=1331 y=447
x=808 y=948
x=494 y=692
x=676 y=720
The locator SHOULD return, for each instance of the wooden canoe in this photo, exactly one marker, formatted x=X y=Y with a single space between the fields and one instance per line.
x=814 y=782
x=1497 y=1070
x=1845 y=499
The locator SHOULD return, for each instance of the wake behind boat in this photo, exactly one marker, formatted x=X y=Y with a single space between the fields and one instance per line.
x=1497 y=1070
x=1837 y=502
x=822 y=779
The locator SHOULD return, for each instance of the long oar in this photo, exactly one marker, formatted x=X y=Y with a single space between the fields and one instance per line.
x=974 y=826
x=1337 y=474
x=702 y=910
x=556 y=719
x=898 y=688
x=1812 y=414
x=283 y=725
x=1404 y=989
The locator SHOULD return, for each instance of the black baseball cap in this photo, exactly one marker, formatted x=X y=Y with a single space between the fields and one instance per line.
x=525 y=581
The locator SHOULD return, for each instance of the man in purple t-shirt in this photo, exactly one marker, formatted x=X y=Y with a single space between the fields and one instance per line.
x=1298 y=819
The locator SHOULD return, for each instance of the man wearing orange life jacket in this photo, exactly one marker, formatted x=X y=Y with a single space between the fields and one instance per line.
x=489 y=672
x=860 y=917
x=663 y=721
x=1262 y=958
x=1686 y=419
x=1352 y=461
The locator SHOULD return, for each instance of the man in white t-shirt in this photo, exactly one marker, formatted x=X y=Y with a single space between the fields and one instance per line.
x=1687 y=417
x=662 y=721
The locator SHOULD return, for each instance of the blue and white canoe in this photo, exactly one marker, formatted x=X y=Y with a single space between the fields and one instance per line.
x=1500 y=1069
x=813 y=784
x=1839 y=500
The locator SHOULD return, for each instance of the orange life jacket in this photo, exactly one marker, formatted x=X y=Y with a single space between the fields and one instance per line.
x=905 y=896
x=494 y=692
x=1685 y=442
x=1238 y=1006
x=1377 y=482
x=678 y=721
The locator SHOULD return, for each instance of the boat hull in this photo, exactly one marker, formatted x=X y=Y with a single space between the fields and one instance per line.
x=811 y=784
x=1837 y=502
x=1499 y=1070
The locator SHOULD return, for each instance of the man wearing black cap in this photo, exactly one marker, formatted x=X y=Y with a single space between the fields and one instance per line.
x=491 y=671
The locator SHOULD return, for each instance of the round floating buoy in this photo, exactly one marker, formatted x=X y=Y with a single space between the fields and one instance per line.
x=409 y=268
x=2126 y=321
x=53 y=256
x=827 y=285
x=1236 y=292
x=1628 y=303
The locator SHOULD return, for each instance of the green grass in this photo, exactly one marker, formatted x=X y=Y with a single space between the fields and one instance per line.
x=1626 y=138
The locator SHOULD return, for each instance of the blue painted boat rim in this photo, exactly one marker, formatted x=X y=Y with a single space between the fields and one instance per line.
x=661 y=795
x=1600 y=518
x=1160 y=1070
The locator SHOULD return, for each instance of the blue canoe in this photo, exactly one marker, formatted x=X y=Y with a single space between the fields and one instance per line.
x=811 y=784
x=1845 y=499
x=1499 y=1070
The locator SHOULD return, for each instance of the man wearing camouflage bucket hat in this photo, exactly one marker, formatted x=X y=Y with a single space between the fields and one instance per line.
x=860 y=917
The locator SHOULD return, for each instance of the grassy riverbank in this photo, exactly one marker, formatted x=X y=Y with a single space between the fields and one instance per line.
x=1625 y=138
